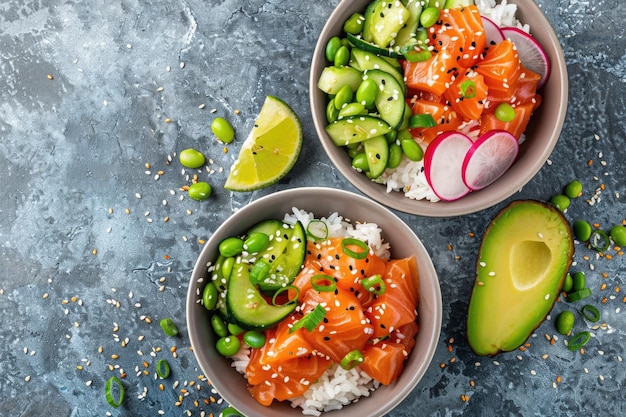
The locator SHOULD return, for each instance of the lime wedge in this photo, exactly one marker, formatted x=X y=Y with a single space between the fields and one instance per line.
x=271 y=149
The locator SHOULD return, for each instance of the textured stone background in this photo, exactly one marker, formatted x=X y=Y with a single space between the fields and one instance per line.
x=79 y=273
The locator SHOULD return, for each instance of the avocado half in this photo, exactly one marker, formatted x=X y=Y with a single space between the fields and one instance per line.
x=524 y=257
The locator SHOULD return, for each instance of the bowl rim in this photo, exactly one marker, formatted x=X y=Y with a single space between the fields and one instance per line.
x=510 y=183
x=430 y=294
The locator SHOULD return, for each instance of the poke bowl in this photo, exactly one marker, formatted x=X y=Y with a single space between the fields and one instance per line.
x=229 y=373
x=468 y=160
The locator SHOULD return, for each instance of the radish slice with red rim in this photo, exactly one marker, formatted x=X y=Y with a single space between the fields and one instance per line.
x=493 y=34
x=531 y=53
x=443 y=162
x=490 y=156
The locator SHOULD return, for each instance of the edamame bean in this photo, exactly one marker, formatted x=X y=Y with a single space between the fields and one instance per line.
x=254 y=339
x=568 y=283
x=578 y=281
x=391 y=136
x=209 y=296
x=582 y=230
x=235 y=329
x=560 y=201
x=332 y=46
x=505 y=112
x=228 y=346
x=366 y=92
x=402 y=135
x=169 y=327
x=342 y=56
x=199 y=191
x=256 y=242
x=332 y=113
x=429 y=16
x=352 y=109
x=231 y=246
x=227 y=266
x=344 y=96
x=412 y=149
x=395 y=155
x=191 y=158
x=565 y=322
x=574 y=189
x=218 y=325
x=618 y=234
x=360 y=162
x=354 y=24
x=354 y=150
x=223 y=130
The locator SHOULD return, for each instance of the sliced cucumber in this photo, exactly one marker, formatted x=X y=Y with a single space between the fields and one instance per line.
x=363 y=60
x=408 y=34
x=362 y=43
x=386 y=20
x=390 y=97
x=285 y=267
x=333 y=78
x=248 y=307
x=368 y=30
x=356 y=129
x=377 y=153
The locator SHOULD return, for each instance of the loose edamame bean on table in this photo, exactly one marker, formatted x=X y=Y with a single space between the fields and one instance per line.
x=578 y=281
x=223 y=130
x=565 y=322
x=560 y=201
x=582 y=230
x=191 y=158
x=199 y=191
x=574 y=189
x=618 y=234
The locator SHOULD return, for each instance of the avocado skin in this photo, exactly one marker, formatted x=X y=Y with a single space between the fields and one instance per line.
x=524 y=257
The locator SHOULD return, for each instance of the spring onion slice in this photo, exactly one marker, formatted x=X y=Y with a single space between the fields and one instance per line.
x=422 y=120
x=108 y=391
x=352 y=359
x=374 y=284
x=468 y=89
x=323 y=283
x=317 y=230
x=168 y=326
x=599 y=240
x=413 y=53
x=591 y=313
x=283 y=289
x=310 y=320
x=362 y=246
x=578 y=295
x=163 y=368
x=579 y=340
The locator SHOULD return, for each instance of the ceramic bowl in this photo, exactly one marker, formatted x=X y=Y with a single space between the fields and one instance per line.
x=541 y=135
x=321 y=201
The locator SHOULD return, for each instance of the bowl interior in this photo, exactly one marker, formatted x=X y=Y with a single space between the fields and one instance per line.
x=321 y=201
x=541 y=135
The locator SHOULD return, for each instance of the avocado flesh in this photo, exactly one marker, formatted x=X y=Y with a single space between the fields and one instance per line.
x=525 y=255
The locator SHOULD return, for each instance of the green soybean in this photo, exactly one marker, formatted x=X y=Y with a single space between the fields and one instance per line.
x=395 y=155
x=332 y=47
x=574 y=189
x=391 y=136
x=568 y=283
x=228 y=345
x=366 y=92
x=429 y=16
x=342 y=56
x=218 y=325
x=169 y=327
x=560 y=201
x=618 y=234
x=256 y=242
x=223 y=130
x=582 y=230
x=235 y=329
x=360 y=162
x=199 y=191
x=412 y=149
x=352 y=109
x=505 y=112
x=578 y=281
x=231 y=246
x=254 y=339
x=332 y=113
x=191 y=158
x=354 y=24
x=565 y=322
x=227 y=266
x=210 y=296
x=343 y=97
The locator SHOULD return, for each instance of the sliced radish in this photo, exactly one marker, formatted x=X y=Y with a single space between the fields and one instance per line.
x=488 y=158
x=493 y=34
x=443 y=162
x=531 y=53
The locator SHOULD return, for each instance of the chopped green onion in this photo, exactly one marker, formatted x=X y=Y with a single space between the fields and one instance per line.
x=230 y=412
x=591 y=313
x=281 y=290
x=352 y=359
x=361 y=254
x=599 y=240
x=311 y=320
x=374 y=284
x=162 y=368
x=468 y=89
x=422 y=120
x=317 y=230
x=323 y=283
x=168 y=326
x=578 y=295
x=412 y=53
x=108 y=391
x=579 y=340
x=259 y=270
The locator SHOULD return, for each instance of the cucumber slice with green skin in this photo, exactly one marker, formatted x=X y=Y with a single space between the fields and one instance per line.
x=390 y=97
x=355 y=129
x=363 y=61
x=333 y=78
x=407 y=35
x=368 y=33
x=247 y=306
x=386 y=20
x=288 y=264
x=365 y=45
x=377 y=153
